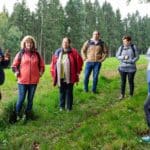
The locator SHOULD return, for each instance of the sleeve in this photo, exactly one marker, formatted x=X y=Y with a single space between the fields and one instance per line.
x=79 y=60
x=15 y=64
x=79 y=63
x=5 y=63
x=134 y=59
x=148 y=54
x=118 y=56
x=42 y=65
x=105 y=52
x=52 y=66
x=106 y=49
x=84 y=50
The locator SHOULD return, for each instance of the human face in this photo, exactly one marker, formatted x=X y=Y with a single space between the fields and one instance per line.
x=65 y=43
x=29 y=44
x=126 y=42
x=96 y=35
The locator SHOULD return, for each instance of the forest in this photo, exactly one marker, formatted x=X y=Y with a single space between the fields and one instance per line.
x=50 y=22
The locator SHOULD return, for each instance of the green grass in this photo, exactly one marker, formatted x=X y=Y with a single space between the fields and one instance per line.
x=98 y=121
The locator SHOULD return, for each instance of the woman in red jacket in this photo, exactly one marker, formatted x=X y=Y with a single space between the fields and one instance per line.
x=28 y=67
x=66 y=66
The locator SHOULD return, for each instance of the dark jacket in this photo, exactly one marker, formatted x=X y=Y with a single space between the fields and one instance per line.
x=3 y=64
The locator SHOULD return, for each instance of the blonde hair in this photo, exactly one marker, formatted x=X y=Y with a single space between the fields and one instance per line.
x=22 y=45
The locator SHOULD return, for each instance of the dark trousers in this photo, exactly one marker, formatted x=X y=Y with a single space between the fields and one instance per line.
x=66 y=95
x=124 y=76
x=147 y=110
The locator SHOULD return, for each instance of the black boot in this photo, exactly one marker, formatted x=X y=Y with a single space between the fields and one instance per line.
x=13 y=117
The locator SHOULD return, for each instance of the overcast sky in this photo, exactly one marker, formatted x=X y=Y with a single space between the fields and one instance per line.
x=121 y=4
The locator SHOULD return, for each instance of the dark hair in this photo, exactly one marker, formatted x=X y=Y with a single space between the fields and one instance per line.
x=128 y=38
x=69 y=40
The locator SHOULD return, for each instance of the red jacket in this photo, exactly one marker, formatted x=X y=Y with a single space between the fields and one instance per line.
x=28 y=68
x=76 y=63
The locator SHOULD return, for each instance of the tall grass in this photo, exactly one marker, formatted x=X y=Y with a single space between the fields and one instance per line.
x=97 y=121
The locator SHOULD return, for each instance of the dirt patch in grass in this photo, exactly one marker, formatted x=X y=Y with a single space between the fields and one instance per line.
x=110 y=73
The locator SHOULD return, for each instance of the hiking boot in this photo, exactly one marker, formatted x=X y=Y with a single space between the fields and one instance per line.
x=121 y=97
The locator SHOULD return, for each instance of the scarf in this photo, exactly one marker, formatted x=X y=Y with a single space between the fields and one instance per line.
x=63 y=65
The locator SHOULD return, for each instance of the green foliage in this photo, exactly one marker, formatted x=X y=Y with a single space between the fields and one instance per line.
x=74 y=23
x=78 y=19
x=97 y=121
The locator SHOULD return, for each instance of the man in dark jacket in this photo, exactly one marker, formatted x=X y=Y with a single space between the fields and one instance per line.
x=4 y=62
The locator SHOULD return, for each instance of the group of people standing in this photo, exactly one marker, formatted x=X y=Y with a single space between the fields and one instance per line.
x=66 y=66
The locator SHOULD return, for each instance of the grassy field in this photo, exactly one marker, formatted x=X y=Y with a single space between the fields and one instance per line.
x=97 y=122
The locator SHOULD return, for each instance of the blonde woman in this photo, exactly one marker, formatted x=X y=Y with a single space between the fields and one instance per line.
x=28 y=67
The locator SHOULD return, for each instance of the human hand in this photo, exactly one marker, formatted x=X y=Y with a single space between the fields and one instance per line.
x=17 y=74
x=126 y=57
x=41 y=73
x=7 y=55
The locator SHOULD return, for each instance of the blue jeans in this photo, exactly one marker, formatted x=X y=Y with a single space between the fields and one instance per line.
x=95 y=66
x=66 y=95
x=148 y=88
x=23 y=89
x=147 y=110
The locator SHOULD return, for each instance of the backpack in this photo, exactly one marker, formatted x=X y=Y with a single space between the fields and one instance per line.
x=101 y=43
x=21 y=54
x=132 y=47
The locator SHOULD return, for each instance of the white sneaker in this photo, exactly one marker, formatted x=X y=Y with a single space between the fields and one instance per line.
x=146 y=138
x=18 y=118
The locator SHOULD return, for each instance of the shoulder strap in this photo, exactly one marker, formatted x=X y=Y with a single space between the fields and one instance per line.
x=101 y=44
x=121 y=50
x=133 y=49
x=39 y=58
x=21 y=54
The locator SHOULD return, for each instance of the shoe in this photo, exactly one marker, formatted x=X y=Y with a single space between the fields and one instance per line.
x=121 y=97
x=86 y=91
x=94 y=92
x=146 y=138
x=68 y=110
x=131 y=96
x=24 y=117
x=18 y=118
